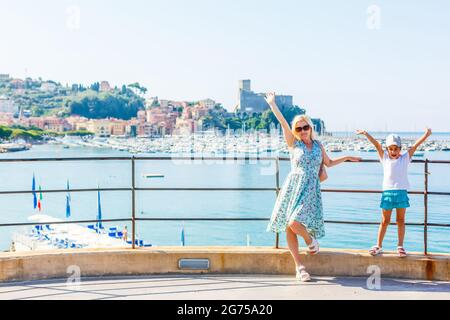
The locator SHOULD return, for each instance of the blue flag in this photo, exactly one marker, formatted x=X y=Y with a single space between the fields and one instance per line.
x=67 y=207
x=182 y=236
x=33 y=187
x=99 y=213
x=68 y=199
x=68 y=189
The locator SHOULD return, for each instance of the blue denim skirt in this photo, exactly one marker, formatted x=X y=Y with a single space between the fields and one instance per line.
x=393 y=199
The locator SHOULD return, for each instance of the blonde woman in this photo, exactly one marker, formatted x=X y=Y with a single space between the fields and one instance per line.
x=298 y=208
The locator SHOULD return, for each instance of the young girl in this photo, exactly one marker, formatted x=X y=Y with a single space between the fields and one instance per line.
x=395 y=185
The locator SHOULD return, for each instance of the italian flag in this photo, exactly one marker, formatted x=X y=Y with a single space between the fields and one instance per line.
x=40 y=199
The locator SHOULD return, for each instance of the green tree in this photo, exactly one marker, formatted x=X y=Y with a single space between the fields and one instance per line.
x=138 y=87
x=36 y=111
x=80 y=133
x=95 y=86
x=25 y=135
x=291 y=112
x=234 y=123
x=207 y=122
x=107 y=105
x=253 y=122
x=5 y=132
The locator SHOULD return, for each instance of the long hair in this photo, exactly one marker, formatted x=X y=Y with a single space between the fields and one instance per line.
x=308 y=120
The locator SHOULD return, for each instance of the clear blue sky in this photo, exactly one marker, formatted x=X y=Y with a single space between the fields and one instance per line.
x=394 y=78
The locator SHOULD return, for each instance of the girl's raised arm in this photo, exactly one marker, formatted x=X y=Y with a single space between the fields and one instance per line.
x=376 y=144
x=419 y=142
x=288 y=136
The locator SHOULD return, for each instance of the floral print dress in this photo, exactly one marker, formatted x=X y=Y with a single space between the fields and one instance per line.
x=300 y=198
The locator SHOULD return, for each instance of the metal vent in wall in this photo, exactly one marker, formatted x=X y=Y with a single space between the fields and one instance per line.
x=193 y=264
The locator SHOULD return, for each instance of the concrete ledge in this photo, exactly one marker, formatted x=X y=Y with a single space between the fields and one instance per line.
x=223 y=260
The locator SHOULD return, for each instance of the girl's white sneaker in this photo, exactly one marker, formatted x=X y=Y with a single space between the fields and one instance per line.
x=376 y=250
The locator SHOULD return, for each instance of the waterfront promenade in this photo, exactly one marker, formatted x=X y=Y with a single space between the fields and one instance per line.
x=224 y=287
x=230 y=273
x=54 y=264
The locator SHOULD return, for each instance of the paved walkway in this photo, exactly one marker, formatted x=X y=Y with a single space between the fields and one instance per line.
x=226 y=287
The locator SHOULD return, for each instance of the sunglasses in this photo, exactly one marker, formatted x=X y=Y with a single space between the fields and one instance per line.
x=305 y=128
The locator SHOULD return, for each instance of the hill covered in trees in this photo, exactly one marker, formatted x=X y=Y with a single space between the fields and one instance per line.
x=42 y=98
x=103 y=105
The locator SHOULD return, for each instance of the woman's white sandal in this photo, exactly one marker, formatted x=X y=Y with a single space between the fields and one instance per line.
x=376 y=250
x=401 y=252
x=313 y=248
x=302 y=275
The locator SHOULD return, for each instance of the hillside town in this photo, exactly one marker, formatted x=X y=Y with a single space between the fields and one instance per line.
x=158 y=120
x=34 y=111
x=52 y=107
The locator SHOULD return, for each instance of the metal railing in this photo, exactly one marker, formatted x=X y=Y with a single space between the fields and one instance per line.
x=133 y=219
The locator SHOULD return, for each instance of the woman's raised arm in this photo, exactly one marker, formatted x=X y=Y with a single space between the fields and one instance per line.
x=288 y=136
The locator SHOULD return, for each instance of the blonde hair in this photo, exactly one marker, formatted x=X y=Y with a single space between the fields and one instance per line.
x=308 y=120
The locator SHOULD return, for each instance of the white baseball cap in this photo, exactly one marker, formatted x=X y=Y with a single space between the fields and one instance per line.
x=393 y=140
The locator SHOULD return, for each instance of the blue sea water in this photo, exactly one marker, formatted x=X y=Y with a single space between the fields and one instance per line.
x=225 y=204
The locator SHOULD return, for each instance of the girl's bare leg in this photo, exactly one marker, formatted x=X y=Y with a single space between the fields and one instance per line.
x=386 y=220
x=292 y=242
x=300 y=229
x=401 y=225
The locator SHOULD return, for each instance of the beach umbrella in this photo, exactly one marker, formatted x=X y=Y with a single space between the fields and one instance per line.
x=99 y=211
x=33 y=187
x=68 y=199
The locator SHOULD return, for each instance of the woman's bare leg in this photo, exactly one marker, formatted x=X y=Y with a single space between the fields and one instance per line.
x=300 y=229
x=292 y=242
x=401 y=225
x=386 y=220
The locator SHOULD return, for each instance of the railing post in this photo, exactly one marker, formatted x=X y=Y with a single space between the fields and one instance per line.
x=425 y=203
x=133 y=203
x=277 y=176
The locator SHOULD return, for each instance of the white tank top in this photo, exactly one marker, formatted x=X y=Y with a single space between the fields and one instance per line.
x=395 y=172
